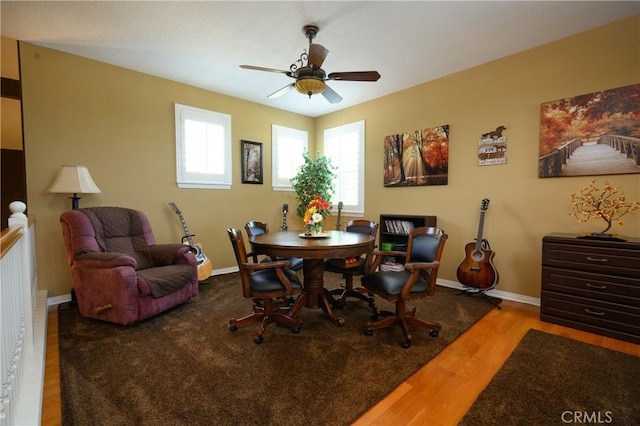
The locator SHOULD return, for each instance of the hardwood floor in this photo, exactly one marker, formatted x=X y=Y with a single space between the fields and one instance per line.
x=440 y=393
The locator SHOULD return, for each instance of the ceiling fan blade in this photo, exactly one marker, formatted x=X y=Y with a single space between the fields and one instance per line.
x=330 y=95
x=282 y=91
x=252 y=67
x=317 y=55
x=355 y=76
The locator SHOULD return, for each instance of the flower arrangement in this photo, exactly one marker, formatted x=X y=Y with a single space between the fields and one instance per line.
x=604 y=203
x=317 y=209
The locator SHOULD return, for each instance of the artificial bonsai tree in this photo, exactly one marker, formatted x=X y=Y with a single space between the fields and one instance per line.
x=315 y=177
x=606 y=203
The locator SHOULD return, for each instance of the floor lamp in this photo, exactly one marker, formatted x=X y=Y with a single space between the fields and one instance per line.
x=74 y=180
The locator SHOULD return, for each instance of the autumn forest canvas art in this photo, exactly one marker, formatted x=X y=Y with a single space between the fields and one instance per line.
x=417 y=158
x=593 y=134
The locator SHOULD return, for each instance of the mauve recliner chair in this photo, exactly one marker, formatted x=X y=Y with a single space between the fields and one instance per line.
x=118 y=271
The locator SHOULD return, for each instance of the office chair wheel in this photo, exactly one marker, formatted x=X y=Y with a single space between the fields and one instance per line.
x=258 y=340
x=295 y=330
x=434 y=333
x=405 y=344
x=368 y=332
x=233 y=327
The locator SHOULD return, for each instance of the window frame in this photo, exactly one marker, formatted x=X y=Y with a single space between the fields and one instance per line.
x=185 y=179
x=355 y=210
x=278 y=132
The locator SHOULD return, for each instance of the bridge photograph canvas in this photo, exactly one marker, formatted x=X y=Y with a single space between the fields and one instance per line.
x=593 y=134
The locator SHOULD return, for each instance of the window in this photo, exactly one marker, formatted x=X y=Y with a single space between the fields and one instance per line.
x=203 y=148
x=344 y=146
x=288 y=147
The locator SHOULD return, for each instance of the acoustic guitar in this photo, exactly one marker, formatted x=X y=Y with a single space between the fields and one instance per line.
x=477 y=270
x=204 y=264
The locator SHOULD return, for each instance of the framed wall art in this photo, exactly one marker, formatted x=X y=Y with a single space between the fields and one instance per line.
x=251 y=162
x=594 y=134
x=492 y=147
x=417 y=158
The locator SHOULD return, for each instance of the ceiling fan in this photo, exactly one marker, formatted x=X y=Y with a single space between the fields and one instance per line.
x=310 y=78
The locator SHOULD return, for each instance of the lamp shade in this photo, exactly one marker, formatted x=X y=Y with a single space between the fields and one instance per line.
x=74 y=180
x=309 y=85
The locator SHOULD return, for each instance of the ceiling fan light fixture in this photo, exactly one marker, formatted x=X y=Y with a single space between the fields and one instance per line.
x=310 y=77
x=310 y=85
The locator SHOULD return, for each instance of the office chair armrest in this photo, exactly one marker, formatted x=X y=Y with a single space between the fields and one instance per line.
x=411 y=266
x=285 y=281
x=384 y=253
x=415 y=268
x=278 y=266
x=284 y=263
x=253 y=255
x=378 y=256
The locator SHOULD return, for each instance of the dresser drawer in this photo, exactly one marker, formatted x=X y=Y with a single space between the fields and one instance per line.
x=598 y=314
x=588 y=258
x=610 y=288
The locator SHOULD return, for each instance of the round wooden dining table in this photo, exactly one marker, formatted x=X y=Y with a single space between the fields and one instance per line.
x=313 y=251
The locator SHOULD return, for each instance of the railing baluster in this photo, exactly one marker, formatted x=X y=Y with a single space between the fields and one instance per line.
x=21 y=342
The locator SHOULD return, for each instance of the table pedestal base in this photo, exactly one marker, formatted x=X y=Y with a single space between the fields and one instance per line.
x=317 y=296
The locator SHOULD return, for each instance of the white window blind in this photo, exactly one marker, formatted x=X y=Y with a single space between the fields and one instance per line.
x=287 y=156
x=344 y=146
x=203 y=148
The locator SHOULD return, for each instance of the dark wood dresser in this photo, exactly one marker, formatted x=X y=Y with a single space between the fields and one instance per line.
x=592 y=285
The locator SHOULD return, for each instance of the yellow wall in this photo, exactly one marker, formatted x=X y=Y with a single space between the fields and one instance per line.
x=120 y=124
x=9 y=64
x=507 y=92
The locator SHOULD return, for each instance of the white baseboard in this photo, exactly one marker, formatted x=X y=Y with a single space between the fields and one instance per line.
x=57 y=300
x=445 y=283
x=223 y=271
x=496 y=293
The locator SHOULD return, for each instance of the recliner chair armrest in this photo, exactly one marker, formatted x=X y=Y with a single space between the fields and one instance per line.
x=167 y=254
x=104 y=260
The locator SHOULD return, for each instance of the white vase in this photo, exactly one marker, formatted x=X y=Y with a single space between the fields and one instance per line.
x=313 y=232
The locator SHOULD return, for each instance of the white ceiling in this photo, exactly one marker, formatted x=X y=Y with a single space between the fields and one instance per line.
x=203 y=43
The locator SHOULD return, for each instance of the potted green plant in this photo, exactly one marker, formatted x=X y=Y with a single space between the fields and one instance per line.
x=314 y=178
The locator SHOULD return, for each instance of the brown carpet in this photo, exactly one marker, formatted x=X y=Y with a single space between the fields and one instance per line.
x=186 y=367
x=553 y=380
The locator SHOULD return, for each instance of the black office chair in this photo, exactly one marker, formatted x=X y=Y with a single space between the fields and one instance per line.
x=257 y=228
x=265 y=282
x=351 y=267
x=416 y=281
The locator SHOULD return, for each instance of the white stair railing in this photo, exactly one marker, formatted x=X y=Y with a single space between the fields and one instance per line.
x=23 y=323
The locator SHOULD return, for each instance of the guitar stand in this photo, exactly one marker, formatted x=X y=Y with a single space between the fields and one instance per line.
x=478 y=292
